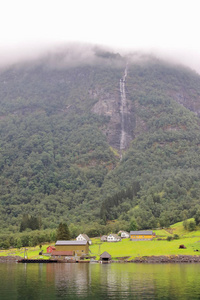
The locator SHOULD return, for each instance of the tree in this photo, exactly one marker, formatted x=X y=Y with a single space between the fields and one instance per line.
x=19 y=243
x=63 y=232
x=197 y=216
x=191 y=226
x=133 y=224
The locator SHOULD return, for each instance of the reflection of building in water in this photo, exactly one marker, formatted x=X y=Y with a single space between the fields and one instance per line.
x=72 y=279
x=50 y=272
x=115 y=280
x=121 y=279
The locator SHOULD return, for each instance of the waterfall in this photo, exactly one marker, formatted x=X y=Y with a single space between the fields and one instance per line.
x=123 y=111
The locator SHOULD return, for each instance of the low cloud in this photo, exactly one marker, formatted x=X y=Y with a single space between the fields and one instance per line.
x=72 y=54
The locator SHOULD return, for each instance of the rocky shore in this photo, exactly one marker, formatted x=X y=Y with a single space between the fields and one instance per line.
x=167 y=259
x=6 y=259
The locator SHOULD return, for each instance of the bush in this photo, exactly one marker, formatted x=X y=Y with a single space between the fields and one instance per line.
x=169 y=238
x=176 y=237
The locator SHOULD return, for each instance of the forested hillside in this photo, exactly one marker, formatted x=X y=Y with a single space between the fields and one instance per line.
x=60 y=137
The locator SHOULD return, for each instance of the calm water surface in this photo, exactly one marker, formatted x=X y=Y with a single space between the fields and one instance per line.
x=97 y=281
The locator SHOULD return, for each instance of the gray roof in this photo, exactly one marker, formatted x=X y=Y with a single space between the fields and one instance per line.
x=142 y=232
x=65 y=243
x=105 y=255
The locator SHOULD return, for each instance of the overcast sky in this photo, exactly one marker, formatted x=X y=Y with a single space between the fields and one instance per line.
x=168 y=27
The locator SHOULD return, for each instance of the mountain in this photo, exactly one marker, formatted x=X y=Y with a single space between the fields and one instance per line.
x=88 y=141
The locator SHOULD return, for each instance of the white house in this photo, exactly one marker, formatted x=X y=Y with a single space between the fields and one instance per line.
x=84 y=237
x=124 y=234
x=113 y=238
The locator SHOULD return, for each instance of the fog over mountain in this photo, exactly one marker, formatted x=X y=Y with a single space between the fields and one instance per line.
x=71 y=54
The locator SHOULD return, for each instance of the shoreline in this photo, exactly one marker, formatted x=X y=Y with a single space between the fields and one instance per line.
x=167 y=259
x=160 y=259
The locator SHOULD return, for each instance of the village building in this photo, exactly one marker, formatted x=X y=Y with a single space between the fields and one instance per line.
x=67 y=255
x=143 y=235
x=104 y=238
x=79 y=248
x=84 y=237
x=105 y=257
x=113 y=238
x=124 y=234
x=50 y=249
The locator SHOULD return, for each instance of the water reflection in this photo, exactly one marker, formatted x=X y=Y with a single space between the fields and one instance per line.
x=97 y=281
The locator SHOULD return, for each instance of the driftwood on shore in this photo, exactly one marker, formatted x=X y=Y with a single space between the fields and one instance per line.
x=167 y=259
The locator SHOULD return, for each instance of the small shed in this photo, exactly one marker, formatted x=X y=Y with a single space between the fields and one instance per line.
x=50 y=249
x=105 y=256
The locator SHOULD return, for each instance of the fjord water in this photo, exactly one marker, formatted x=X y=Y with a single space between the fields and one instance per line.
x=97 y=281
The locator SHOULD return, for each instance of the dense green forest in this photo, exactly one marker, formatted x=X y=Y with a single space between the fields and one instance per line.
x=56 y=162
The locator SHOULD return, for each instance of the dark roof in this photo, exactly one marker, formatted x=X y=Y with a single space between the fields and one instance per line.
x=105 y=255
x=73 y=243
x=62 y=253
x=142 y=232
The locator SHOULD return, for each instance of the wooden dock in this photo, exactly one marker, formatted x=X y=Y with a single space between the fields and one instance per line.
x=38 y=261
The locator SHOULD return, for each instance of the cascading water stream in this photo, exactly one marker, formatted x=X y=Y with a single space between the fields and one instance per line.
x=123 y=109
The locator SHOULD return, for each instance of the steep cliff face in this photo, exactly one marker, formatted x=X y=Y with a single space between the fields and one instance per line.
x=187 y=98
x=120 y=110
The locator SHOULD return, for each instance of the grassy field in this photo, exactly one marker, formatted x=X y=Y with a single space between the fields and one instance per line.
x=32 y=252
x=159 y=245
x=147 y=248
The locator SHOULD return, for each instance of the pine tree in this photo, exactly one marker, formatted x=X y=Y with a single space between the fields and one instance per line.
x=63 y=232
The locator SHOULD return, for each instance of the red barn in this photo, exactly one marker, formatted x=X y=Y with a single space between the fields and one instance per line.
x=50 y=249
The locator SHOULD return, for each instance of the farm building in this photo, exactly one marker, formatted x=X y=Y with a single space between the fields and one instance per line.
x=113 y=238
x=124 y=234
x=143 y=235
x=104 y=238
x=84 y=237
x=78 y=247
